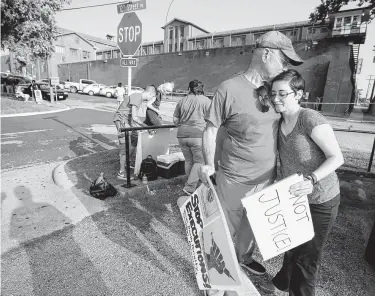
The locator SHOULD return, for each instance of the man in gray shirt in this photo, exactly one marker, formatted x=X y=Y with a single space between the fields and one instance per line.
x=247 y=161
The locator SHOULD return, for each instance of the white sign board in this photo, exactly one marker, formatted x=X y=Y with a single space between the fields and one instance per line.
x=279 y=220
x=38 y=96
x=214 y=258
x=55 y=81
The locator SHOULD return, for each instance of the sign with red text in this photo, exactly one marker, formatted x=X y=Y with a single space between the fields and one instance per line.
x=213 y=254
x=279 y=220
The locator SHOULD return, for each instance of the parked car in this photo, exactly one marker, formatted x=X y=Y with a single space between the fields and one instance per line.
x=108 y=91
x=78 y=86
x=45 y=90
x=93 y=89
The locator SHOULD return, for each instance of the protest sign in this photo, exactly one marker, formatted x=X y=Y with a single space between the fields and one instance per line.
x=279 y=220
x=214 y=258
x=38 y=96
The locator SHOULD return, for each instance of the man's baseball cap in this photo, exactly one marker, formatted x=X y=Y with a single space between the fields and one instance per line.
x=277 y=40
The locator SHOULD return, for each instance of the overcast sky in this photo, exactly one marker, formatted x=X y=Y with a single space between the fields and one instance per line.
x=212 y=15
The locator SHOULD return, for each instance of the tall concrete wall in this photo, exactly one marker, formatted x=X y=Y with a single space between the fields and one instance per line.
x=326 y=69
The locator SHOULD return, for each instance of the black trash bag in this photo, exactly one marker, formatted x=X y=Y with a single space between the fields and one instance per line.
x=101 y=189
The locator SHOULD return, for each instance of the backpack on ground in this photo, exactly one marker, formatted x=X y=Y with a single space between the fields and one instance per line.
x=149 y=169
x=101 y=188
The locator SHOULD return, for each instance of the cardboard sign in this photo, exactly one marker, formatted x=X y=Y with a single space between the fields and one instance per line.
x=38 y=96
x=279 y=220
x=214 y=258
x=154 y=145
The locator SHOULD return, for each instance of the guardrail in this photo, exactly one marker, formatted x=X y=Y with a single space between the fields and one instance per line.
x=126 y=130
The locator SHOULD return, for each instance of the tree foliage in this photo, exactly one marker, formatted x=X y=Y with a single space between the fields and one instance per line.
x=328 y=6
x=29 y=26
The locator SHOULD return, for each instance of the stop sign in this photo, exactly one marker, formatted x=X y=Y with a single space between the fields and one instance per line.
x=129 y=34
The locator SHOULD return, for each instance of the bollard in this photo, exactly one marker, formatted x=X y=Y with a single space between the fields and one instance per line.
x=371 y=157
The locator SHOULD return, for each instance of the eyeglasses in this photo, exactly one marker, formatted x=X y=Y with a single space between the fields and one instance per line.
x=281 y=96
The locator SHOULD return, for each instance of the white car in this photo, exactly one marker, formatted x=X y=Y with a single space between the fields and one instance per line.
x=93 y=89
x=108 y=91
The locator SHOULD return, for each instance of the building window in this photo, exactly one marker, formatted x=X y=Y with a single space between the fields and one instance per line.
x=181 y=46
x=200 y=44
x=149 y=50
x=170 y=48
x=115 y=54
x=311 y=30
x=157 y=49
x=74 y=54
x=59 y=49
x=355 y=22
x=323 y=30
x=170 y=33
x=218 y=42
x=182 y=28
x=175 y=47
x=338 y=23
x=256 y=36
x=238 y=40
x=85 y=54
x=176 y=32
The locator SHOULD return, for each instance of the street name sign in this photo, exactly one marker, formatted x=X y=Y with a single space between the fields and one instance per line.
x=128 y=62
x=132 y=6
x=55 y=81
x=129 y=34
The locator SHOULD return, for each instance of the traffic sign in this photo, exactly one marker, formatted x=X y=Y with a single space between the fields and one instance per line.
x=132 y=6
x=55 y=81
x=129 y=34
x=128 y=62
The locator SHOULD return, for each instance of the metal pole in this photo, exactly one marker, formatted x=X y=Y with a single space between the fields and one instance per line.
x=56 y=92
x=129 y=80
x=371 y=157
x=127 y=152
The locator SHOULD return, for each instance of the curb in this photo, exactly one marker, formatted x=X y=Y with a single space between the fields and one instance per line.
x=61 y=179
x=34 y=113
x=356 y=173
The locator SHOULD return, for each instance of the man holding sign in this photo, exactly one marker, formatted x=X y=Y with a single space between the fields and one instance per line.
x=247 y=161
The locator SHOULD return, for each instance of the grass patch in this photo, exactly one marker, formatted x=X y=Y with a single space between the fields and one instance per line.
x=13 y=106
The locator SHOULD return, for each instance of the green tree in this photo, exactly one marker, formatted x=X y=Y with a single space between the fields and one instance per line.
x=28 y=27
x=327 y=6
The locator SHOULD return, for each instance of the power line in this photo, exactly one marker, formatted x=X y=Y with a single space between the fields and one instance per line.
x=97 y=5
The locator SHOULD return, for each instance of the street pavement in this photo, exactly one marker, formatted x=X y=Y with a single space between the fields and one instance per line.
x=63 y=242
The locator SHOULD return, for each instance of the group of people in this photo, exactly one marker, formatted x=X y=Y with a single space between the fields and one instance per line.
x=253 y=118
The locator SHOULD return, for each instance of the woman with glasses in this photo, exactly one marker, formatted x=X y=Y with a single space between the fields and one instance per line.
x=189 y=116
x=307 y=144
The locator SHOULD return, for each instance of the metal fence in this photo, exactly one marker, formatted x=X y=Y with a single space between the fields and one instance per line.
x=363 y=159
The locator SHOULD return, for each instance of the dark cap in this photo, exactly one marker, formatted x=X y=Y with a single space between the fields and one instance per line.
x=277 y=40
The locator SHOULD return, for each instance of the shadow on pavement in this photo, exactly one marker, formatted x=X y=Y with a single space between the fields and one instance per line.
x=55 y=263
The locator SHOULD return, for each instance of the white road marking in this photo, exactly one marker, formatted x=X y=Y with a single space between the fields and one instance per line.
x=33 y=131
x=11 y=143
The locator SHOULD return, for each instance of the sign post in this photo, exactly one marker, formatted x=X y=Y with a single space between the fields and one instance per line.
x=129 y=38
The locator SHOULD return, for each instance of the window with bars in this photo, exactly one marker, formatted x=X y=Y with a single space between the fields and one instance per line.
x=238 y=40
x=338 y=23
x=157 y=49
x=85 y=54
x=218 y=42
x=59 y=49
x=74 y=54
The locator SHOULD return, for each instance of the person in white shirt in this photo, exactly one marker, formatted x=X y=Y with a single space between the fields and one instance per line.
x=119 y=93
